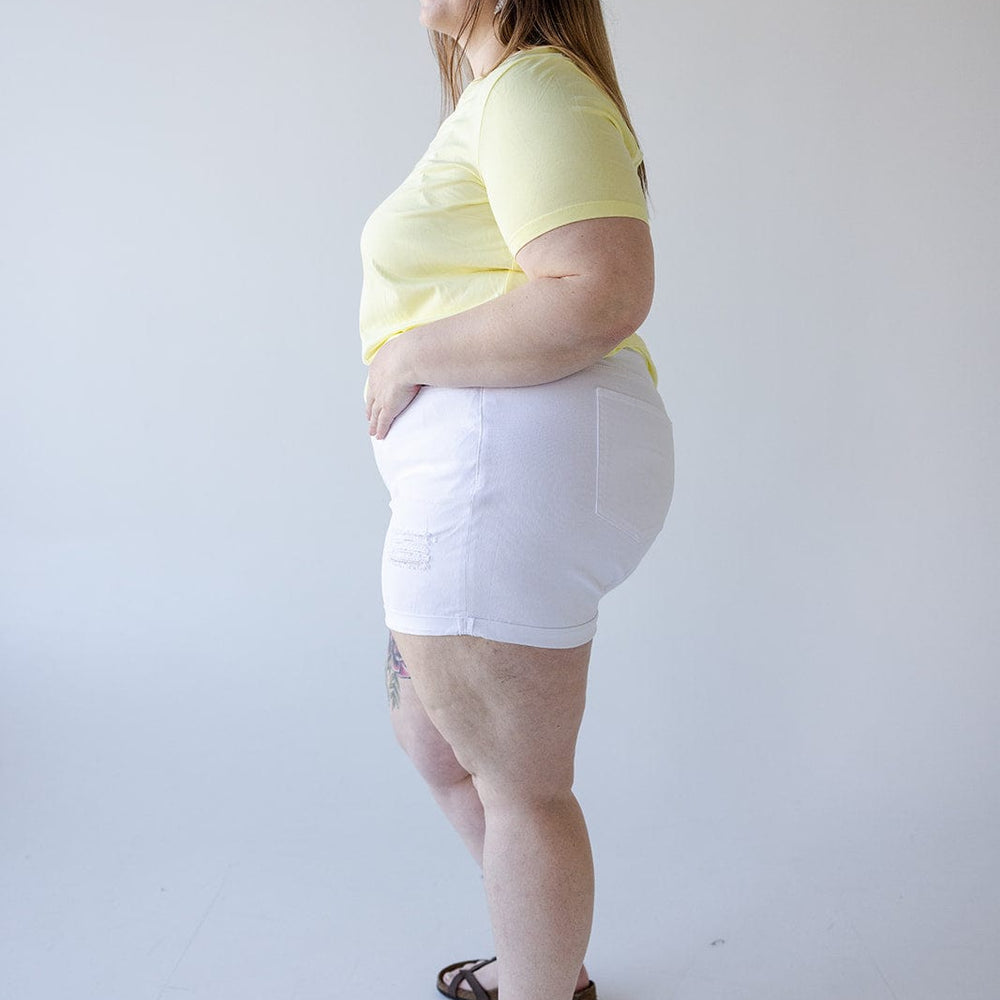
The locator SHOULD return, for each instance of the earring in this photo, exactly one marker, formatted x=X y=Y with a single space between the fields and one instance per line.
x=499 y=6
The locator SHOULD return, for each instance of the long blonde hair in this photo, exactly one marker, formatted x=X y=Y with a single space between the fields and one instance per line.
x=574 y=27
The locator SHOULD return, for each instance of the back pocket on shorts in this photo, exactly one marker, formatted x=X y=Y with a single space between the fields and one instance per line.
x=635 y=463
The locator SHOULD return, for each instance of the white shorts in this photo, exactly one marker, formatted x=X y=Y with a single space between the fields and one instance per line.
x=514 y=510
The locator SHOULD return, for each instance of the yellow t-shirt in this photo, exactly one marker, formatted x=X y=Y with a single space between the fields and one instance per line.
x=532 y=145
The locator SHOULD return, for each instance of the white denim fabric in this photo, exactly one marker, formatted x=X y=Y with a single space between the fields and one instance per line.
x=514 y=510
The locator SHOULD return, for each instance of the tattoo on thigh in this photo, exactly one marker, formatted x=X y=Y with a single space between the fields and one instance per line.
x=395 y=670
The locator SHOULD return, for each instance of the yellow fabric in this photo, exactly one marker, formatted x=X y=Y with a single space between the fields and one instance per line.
x=531 y=146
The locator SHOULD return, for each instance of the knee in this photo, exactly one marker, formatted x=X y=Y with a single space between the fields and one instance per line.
x=430 y=753
x=526 y=792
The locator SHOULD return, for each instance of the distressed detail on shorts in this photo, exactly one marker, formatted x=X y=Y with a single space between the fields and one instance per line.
x=410 y=549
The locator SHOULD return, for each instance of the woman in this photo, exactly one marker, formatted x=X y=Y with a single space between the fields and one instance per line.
x=516 y=422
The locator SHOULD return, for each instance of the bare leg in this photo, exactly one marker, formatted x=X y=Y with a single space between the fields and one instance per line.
x=511 y=714
x=449 y=782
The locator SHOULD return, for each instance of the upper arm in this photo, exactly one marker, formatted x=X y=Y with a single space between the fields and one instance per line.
x=560 y=168
x=612 y=257
x=553 y=149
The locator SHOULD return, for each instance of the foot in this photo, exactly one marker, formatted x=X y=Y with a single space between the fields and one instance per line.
x=487 y=975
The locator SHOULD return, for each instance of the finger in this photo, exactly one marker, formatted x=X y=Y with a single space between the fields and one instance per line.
x=384 y=423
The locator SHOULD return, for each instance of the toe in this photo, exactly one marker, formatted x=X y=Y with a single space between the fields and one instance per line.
x=486 y=974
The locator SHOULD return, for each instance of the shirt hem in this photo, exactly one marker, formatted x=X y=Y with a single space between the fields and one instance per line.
x=574 y=213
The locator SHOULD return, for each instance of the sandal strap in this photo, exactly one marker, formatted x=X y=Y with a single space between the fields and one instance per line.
x=478 y=990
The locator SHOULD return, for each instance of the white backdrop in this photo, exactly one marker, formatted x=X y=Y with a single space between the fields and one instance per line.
x=191 y=522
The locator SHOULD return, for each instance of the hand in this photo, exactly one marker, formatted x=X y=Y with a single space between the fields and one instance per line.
x=390 y=390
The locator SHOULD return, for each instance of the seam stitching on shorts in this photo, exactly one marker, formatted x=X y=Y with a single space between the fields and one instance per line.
x=472 y=505
x=495 y=621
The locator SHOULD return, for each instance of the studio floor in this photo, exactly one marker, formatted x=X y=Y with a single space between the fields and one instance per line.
x=115 y=889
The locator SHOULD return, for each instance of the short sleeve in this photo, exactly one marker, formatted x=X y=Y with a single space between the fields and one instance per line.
x=553 y=149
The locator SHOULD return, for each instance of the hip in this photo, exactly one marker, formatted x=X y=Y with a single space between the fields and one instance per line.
x=596 y=445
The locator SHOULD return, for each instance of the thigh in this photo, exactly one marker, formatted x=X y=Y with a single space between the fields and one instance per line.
x=430 y=752
x=511 y=713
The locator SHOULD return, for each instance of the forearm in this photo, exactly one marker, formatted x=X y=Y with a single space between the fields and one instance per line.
x=539 y=332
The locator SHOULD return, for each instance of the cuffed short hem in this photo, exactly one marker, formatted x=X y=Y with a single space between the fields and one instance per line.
x=565 y=637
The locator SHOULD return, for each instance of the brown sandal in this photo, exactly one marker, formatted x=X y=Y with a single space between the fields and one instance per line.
x=476 y=989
